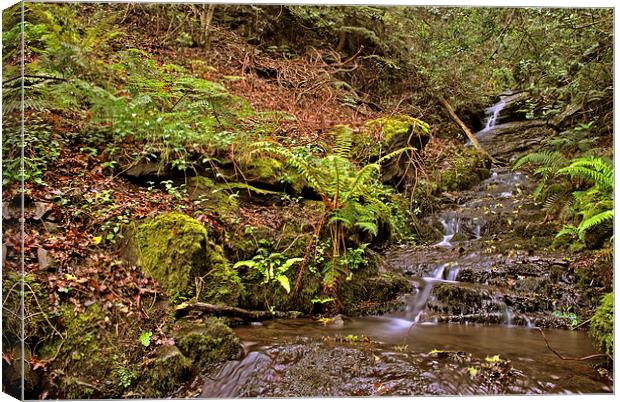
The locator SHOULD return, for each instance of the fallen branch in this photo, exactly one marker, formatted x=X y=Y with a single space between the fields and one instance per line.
x=228 y=311
x=571 y=358
x=472 y=137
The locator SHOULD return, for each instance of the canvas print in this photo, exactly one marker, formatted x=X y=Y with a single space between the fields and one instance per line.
x=221 y=201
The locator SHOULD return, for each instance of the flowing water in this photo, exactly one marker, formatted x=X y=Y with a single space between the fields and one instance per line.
x=493 y=114
x=479 y=292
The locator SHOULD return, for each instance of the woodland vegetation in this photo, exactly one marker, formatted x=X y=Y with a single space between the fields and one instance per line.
x=255 y=161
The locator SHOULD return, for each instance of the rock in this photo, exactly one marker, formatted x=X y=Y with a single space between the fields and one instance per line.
x=173 y=249
x=41 y=209
x=371 y=292
x=210 y=341
x=336 y=322
x=169 y=369
x=144 y=169
x=45 y=261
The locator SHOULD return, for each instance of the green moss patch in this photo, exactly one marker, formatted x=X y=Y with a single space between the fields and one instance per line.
x=210 y=341
x=169 y=368
x=173 y=249
x=602 y=325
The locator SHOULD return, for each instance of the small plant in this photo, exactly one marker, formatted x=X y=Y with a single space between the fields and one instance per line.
x=351 y=338
x=176 y=192
x=145 y=338
x=125 y=376
x=272 y=266
x=572 y=317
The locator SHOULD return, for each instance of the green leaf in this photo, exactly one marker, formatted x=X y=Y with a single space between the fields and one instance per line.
x=493 y=359
x=284 y=282
x=248 y=263
x=145 y=338
x=289 y=263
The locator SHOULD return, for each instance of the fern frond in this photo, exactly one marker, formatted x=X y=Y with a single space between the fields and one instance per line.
x=543 y=158
x=370 y=227
x=302 y=166
x=595 y=220
x=591 y=168
x=343 y=141
x=361 y=179
x=567 y=230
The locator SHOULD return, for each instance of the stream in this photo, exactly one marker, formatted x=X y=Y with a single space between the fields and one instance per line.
x=469 y=327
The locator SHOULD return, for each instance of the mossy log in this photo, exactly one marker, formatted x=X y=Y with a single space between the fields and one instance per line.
x=236 y=312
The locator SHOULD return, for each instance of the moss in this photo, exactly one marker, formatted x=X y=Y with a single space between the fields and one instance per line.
x=173 y=249
x=396 y=125
x=602 y=325
x=372 y=292
x=272 y=173
x=211 y=197
x=168 y=370
x=211 y=341
x=84 y=355
x=222 y=284
x=465 y=170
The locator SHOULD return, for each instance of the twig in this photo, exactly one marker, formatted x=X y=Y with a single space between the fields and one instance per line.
x=44 y=315
x=571 y=358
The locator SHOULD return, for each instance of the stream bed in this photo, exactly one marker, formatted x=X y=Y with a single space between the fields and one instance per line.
x=388 y=356
x=479 y=293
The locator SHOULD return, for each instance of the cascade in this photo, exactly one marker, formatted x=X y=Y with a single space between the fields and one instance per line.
x=417 y=301
x=450 y=228
x=492 y=115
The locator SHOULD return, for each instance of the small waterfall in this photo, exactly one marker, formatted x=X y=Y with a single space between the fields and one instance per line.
x=504 y=309
x=493 y=115
x=453 y=272
x=450 y=228
x=417 y=302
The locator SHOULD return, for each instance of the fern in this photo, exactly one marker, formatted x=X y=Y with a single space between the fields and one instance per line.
x=593 y=169
x=595 y=220
x=545 y=158
x=345 y=189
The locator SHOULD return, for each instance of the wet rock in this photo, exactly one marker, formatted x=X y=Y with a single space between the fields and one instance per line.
x=207 y=341
x=167 y=371
x=323 y=370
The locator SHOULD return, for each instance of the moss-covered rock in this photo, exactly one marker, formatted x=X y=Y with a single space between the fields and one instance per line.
x=167 y=371
x=370 y=291
x=84 y=354
x=210 y=341
x=602 y=325
x=173 y=249
x=211 y=196
x=463 y=171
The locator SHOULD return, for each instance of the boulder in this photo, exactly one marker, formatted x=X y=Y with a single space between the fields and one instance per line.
x=208 y=341
x=173 y=249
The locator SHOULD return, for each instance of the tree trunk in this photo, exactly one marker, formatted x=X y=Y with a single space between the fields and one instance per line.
x=466 y=130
